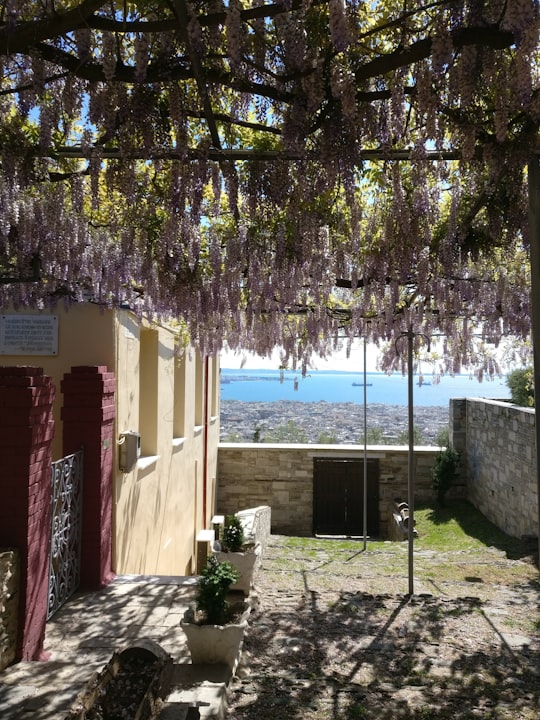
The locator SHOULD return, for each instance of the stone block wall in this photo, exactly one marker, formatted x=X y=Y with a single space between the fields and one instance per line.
x=9 y=600
x=257 y=524
x=497 y=444
x=281 y=476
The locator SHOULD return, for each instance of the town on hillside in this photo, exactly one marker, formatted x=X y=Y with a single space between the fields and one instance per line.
x=324 y=422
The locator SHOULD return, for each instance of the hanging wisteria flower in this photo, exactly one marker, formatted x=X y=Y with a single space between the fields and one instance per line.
x=140 y=45
x=83 y=40
x=234 y=32
x=108 y=55
x=338 y=24
x=290 y=174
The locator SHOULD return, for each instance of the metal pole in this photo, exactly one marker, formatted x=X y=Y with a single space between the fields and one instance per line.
x=534 y=230
x=410 y=337
x=365 y=448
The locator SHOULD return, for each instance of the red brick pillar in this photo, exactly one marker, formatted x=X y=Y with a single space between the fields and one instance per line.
x=88 y=422
x=27 y=430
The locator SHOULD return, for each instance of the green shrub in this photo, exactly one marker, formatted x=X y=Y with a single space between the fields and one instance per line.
x=442 y=439
x=374 y=436
x=233 y=437
x=445 y=472
x=233 y=534
x=521 y=385
x=214 y=583
x=418 y=437
x=327 y=438
x=291 y=432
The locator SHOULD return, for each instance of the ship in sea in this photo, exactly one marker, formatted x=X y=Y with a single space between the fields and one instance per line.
x=361 y=384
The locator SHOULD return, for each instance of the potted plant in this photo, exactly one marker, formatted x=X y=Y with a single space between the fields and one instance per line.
x=234 y=549
x=215 y=628
x=233 y=534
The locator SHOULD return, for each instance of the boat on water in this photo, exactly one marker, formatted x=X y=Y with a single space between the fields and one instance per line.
x=359 y=384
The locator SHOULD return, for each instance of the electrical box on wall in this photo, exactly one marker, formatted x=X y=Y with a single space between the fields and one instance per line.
x=130 y=450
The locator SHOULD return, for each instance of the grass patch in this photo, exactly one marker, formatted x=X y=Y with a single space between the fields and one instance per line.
x=455 y=543
x=457 y=527
x=310 y=546
x=460 y=526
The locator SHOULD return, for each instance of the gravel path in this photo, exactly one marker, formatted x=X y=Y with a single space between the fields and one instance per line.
x=336 y=636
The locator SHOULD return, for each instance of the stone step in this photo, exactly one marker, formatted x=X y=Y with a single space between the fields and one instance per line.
x=197 y=691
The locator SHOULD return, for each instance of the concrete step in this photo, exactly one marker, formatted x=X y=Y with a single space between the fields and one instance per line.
x=197 y=691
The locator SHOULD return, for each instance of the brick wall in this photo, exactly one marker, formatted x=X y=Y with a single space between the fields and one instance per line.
x=88 y=413
x=26 y=418
x=9 y=588
x=497 y=444
x=281 y=476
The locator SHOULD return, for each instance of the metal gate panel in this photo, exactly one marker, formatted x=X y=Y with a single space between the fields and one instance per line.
x=338 y=497
x=65 y=558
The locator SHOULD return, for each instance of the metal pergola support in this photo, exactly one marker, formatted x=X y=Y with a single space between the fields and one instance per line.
x=534 y=240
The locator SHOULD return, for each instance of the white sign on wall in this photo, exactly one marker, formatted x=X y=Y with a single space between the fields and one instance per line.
x=28 y=335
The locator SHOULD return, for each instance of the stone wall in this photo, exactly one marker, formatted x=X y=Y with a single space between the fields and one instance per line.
x=281 y=476
x=9 y=587
x=495 y=439
x=257 y=525
x=497 y=444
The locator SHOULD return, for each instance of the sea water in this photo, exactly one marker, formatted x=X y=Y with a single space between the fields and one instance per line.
x=339 y=386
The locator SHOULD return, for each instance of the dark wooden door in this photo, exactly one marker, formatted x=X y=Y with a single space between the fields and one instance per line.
x=338 y=497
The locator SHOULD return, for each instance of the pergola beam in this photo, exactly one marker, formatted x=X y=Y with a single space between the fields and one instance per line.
x=77 y=152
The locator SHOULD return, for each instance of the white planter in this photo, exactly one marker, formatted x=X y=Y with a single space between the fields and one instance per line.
x=216 y=643
x=244 y=562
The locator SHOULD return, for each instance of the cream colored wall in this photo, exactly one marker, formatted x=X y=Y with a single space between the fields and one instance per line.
x=85 y=337
x=159 y=505
x=213 y=435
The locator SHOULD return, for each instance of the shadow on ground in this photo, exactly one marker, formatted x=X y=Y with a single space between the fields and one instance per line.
x=318 y=650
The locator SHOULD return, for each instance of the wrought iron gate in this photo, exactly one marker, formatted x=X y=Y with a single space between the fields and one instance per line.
x=65 y=558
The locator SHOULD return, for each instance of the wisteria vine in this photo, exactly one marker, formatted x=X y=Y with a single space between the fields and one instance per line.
x=293 y=174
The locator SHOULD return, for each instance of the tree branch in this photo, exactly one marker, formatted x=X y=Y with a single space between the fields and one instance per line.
x=488 y=36
x=27 y=34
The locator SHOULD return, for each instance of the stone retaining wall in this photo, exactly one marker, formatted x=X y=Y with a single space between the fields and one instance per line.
x=281 y=476
x=257 y=524
x=497 y=444
x=9 y=587
x=495 y=439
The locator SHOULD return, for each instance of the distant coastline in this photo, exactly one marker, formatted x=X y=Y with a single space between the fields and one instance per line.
x=339 y=386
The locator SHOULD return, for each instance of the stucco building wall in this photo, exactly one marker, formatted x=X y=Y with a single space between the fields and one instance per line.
x=172 y=400
x=85 y=337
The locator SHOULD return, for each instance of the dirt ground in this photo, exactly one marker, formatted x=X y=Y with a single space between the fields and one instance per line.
x=337 y=635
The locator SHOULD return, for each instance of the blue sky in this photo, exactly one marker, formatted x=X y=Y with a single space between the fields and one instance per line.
x=339 y=361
